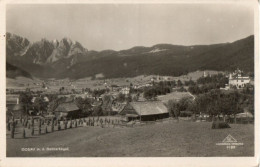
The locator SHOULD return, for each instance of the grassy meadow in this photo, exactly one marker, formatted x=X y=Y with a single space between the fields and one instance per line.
x=160 y=139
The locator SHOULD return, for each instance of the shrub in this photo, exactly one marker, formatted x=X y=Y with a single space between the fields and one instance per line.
x=219 y=125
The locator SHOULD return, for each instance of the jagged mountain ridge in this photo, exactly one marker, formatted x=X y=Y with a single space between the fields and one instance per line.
x=68 y=59
x=43 y=52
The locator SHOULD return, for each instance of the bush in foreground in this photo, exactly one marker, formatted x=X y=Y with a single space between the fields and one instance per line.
x=219 y=125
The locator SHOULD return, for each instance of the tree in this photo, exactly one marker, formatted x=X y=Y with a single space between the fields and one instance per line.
x=184 y=103
x=173 y=108
x=73 y=91
x=129 y=99
x=150 y=93
x=97 y=111
x=53 y=105
x=84 y=105
x=179 y=83
x=106 y=98
x=121 y=97
x=136 y=97
x=26 y=99
x=39 y=104
x=52 y=97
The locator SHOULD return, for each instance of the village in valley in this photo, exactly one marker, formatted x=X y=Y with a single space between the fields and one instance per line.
x=49 y=106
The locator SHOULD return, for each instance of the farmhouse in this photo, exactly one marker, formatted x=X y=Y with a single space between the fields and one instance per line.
x=66 y=110
x=236 y=79
x=145 y=111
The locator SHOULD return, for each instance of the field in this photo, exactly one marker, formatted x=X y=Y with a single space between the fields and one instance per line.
x=162 y=139
x=174 y=96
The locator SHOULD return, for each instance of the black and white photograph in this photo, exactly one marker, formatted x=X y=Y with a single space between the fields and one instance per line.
x=130 y=79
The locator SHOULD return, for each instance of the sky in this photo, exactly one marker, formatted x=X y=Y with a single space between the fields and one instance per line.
x=122 y=26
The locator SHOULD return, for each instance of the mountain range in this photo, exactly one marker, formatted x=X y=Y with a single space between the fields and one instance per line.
x=69 y=59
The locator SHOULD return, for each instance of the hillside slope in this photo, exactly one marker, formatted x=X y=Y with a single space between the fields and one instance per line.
x=13 y=72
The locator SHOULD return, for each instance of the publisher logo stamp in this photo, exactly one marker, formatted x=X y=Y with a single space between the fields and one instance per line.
x=230 y=142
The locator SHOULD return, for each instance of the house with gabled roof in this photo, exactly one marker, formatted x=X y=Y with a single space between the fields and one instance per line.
x=145 y=111
x=67 y=110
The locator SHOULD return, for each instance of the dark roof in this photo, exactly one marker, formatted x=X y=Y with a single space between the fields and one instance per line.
x=66 y=107
x=149 y=107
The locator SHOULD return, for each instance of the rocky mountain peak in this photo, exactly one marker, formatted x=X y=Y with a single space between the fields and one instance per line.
x=44 y=51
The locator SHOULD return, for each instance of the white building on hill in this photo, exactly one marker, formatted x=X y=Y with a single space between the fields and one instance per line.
x=125 y=90
x=236 y=79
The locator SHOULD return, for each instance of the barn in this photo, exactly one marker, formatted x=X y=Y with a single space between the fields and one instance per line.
x=67 y=110
x=145 y=111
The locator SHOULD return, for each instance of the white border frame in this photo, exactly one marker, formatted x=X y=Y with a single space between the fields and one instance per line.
x=125 y=162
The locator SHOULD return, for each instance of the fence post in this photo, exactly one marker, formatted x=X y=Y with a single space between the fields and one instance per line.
x=26 y=123
x=40 y=126
x=59 y=126
x=70 y=123
x=65 y=124
x=12 y=131
x=24 y=135
x=8 y=126
x=52 y=125
x=32 y=122
x=32 y=132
